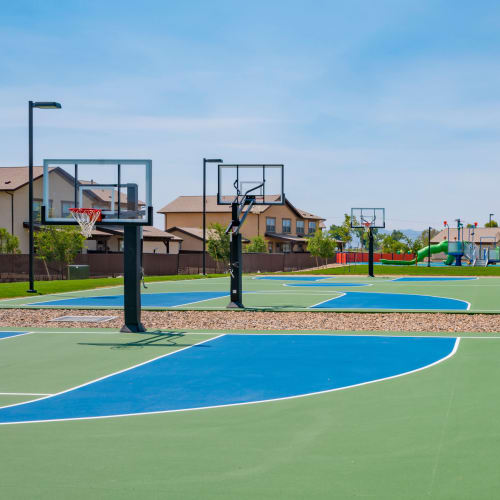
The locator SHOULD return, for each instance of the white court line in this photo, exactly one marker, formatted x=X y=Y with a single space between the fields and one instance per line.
x=454 y=350
x=337 y=333
x=327 y=300
x=13 y=336
x=110 y=375
x=197 y=301
x=24 y=394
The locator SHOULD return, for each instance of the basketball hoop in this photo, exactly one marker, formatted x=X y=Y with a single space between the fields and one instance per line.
x=367 y=225
x=86 y=217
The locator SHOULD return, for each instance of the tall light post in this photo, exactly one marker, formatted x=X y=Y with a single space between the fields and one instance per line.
x=491 y=215
x=205 y=161
x=31 y=105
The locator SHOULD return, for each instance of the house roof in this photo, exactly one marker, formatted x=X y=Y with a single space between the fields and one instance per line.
x=479 y=232
x=12 y=178
x=287 y=237
x=148 y=233
x=194 y=204
x=196 y=232
x=104 y=194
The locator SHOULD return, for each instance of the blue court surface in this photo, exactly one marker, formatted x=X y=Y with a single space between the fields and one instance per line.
x=239 y=369
x=5 y=335
x=366 y=300
x=416 y=278
x=171 y=299
x=290 y=278
x=332 y=284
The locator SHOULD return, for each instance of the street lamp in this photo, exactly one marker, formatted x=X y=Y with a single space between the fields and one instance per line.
x=491 y=215
x=429 y=242
x=205 y=161
x=31 y=105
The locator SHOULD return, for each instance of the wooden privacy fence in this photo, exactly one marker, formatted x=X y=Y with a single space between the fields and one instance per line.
x=15 y=267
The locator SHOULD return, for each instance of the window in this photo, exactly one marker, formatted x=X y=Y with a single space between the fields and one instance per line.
x=287 y=247
x=300 y=227
x=312 y=227
x=65 y=206
x=286 y=225
x=37 y=210
x=271 y=224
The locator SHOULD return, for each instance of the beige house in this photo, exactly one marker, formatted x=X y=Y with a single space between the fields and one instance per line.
x=14 y=211
x=192 y=237
x=284 y=227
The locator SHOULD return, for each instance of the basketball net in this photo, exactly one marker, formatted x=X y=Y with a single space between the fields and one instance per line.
x=86 y=218
x=367 y=225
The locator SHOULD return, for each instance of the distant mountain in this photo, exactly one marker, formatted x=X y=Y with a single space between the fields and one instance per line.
x=410 y=233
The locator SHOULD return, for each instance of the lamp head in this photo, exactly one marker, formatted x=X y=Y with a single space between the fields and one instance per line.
x=47 y=105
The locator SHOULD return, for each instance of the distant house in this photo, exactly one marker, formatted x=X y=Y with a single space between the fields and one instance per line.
x=192 y=237
x=14 y=211
x=284 y=227
x=488 y=236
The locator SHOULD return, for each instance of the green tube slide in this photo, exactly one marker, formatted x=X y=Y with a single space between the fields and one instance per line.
x=422 y=254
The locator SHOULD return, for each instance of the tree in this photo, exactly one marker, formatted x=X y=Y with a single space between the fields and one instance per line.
x=321 y=245
x=397 y=235
x=218 y=243
x=8 y=242
x=343 y=232
x=257 y=245
x=390 y=245
x=364 y=237
x=493 y=223
x=425 y=236
x=58 y=244
x=416 y=245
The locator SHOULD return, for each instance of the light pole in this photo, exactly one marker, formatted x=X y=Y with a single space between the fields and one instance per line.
x=31 y=105
x=429 y=256
x=491 y=215
x=205 y=161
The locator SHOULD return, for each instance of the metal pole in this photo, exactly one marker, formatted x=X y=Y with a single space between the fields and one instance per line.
x=370 y=252
x=30 y=168
x=429 y=256
x=204 y=214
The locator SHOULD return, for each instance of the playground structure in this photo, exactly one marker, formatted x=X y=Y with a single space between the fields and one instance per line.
x=476 y=255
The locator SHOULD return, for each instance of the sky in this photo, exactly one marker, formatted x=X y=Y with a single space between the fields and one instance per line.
x=390 y=104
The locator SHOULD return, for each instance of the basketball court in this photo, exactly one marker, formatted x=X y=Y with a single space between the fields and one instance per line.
x=249 y=413
x=293 y=293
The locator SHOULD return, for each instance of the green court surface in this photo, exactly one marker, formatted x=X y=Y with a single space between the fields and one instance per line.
x=428 y=434
x=329 y=293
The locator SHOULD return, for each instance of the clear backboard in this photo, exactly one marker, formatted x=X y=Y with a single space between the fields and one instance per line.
x=264 y=184
x=367 y=218
x=121 y=189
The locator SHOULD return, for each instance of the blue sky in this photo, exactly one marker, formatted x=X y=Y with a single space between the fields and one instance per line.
x=389 y=103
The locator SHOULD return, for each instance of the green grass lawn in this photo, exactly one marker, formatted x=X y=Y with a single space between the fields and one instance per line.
x=408 y=270
x=18 y=289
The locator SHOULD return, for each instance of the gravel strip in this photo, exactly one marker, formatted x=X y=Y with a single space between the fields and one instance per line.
x=251 y=320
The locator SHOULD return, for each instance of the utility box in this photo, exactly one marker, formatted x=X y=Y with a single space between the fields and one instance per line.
x=78 y=272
